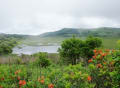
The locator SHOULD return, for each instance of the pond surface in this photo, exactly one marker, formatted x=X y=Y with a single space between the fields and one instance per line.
x=24 y=49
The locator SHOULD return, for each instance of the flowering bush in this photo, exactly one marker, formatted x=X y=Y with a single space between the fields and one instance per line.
x=102 y=71
x=51 y=77
x=105 y=69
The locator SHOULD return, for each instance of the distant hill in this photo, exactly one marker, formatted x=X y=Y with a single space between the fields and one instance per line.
x=98 y=32
x=17 y=36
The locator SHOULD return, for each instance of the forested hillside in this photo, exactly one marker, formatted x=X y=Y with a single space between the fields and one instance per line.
x=8 y=41
x=98 y=32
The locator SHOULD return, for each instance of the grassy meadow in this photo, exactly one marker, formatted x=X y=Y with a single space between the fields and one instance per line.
x=108 y=42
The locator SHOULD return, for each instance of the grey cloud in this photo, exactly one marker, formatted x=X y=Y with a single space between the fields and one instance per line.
x=38 y=16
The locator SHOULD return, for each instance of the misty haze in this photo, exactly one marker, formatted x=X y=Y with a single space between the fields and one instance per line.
x=59 y=43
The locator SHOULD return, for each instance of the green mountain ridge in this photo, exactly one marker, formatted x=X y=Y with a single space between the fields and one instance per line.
x=109 y=36
x=69 y=32
x=98 y=32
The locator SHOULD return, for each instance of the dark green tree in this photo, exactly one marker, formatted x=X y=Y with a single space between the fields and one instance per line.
x=6 y=44
x=93 y=42
x=73 y=49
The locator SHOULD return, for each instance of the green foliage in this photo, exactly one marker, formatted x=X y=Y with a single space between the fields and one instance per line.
x=102 y=72
x=73 y=49
x=118 y=43
x=6 y=44
x=97 y=32
x=42 y=60
x=70 y=49
x=93 y=42
x=104 y=68
x=61 y=77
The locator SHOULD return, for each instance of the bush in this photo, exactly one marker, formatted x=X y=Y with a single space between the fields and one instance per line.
x=42 y=60
x=70 y=49
x=102 y=72
x=73 y=49
x=104 y=68
x=93 y=42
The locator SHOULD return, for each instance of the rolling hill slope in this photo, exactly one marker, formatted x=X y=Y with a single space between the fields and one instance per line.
x=98 y=32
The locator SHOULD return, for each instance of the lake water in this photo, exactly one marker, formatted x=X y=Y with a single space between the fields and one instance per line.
x=24 y=49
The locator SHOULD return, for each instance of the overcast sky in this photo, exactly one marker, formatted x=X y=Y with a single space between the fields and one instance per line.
x=39 y=16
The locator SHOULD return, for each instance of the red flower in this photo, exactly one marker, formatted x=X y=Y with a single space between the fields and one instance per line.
x=89 y=78
x=18 y=71
x=94 y=57
x=89 y=61
x=100 y=51
x=22 y=82
x=99 y=66
x=104 y=63
x=103 y=54
x=50 y=86
x=95 y=51
x=42 y=81
x=1 y=86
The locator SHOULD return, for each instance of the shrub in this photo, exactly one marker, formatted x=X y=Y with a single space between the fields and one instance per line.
x=70 y=49
x=104 y=68
x=102 y=72
x=73 y=49
x=93 y=42
x=42 y=60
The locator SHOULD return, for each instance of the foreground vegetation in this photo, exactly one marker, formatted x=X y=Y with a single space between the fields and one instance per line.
x=102 y=71
x=81 y=64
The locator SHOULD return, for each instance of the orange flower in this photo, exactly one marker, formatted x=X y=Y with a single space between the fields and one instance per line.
x=103 y=54
x=100 y=51
x=89 y=61
x=1 y=86
x=89 y=78
x=22 y=82
x=104 y=63
x=95 y=51
x=42 y=81
x=40 y=78
x=18 y=71
x=99 y=66
x=94 y=57
x=50 y=86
